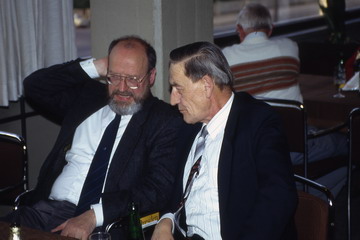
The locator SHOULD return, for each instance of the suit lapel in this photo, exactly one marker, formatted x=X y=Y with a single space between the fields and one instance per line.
x=226 y=153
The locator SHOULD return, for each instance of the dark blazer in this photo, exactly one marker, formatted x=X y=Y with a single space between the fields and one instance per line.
x=257 y=195
x=143 y=166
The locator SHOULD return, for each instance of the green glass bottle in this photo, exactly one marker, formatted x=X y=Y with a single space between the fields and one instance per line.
x=135 y=231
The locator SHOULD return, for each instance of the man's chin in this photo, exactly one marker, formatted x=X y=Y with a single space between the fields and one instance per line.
x=188 y=120
x=122 y=102
x=124 y=108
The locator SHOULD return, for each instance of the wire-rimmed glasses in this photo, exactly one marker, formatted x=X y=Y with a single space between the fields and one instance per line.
x=131 y=81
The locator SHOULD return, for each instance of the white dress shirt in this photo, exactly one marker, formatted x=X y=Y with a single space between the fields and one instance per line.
x=202 y=204
x=87 y=137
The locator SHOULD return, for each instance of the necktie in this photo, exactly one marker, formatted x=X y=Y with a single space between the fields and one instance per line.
x=92 y=188
x=200 y=145
x=180 y=215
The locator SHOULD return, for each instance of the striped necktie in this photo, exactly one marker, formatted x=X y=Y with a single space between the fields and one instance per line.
x=200 y=145
x=93 y=185
x=180 y=215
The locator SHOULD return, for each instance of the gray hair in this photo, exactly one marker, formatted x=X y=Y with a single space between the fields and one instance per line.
x=254 y=16
x=203 y=58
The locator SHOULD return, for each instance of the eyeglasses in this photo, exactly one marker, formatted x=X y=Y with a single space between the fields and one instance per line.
x=131 y=81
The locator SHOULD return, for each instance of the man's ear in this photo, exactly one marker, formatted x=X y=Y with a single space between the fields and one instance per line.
x=269 y=32
x=209 y=85
x=241 y=32
x=152 y=77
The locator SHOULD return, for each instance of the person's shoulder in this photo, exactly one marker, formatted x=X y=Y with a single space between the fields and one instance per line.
x=283 y=41
x=285 y=47
x=250 y=111
x=159 y=115
x=246 y=98
x=251 y=103
x=161 y=108
x=232 y=54
x=230 y=49
x=161 y=105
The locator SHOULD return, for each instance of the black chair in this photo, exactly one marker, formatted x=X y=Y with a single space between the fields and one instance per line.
x=354 y=157
x=314 y=217
x=294 y=121
x=293 y=115
x=14 y=167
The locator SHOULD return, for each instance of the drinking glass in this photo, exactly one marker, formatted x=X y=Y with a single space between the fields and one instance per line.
x=100 y=236
x=339 y=81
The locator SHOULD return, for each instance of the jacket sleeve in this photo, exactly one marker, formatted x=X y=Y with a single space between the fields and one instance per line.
x=52 y=90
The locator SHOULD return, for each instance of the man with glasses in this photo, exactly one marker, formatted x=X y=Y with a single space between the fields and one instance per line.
x=141 y=163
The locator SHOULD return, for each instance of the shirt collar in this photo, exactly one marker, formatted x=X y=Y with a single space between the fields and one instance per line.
x=218 y=122
x=255 y=37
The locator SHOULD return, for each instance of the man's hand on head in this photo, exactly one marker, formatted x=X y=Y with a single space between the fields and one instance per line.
x=79 y=227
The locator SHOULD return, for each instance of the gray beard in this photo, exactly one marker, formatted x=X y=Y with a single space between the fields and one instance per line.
x=125 y=110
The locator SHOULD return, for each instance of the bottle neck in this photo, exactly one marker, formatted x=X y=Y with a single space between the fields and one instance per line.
x=135 y=228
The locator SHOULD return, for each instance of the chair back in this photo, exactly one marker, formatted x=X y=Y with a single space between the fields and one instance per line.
x=293 y=117
x=354 y=158
x=314 y=217
x=354 y=136
x=13 y=167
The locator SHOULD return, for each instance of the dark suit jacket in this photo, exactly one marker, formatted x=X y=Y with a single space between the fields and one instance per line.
x=143 y=166
x=257 y=195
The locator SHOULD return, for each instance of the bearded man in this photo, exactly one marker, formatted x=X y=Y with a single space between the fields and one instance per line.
x=89 y=96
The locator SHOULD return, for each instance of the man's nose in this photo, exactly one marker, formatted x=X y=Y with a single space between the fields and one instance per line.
x=122 y=86
x=174 y=98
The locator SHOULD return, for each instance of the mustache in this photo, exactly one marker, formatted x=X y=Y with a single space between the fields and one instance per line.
x=125 y=94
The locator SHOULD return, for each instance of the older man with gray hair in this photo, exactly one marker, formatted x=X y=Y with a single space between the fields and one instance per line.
x=235 y=179
x=262 y=66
